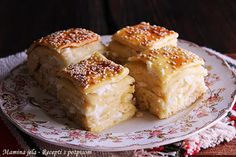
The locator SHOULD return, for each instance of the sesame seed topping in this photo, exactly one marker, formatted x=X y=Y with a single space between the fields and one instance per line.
x=68 y=38
x=173 y=56
x=144 y=33
x=93 y=70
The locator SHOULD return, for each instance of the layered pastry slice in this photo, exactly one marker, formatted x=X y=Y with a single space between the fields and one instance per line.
x=49 y=54
x=131 y=40
x=96 y=93
x=167 y=80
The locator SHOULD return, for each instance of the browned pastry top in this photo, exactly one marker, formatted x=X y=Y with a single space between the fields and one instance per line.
x=73 y=37
x=92 y=70
x=143 y=33
x=172 y=56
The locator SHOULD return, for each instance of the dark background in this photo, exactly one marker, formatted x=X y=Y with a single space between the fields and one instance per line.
x=210 y=23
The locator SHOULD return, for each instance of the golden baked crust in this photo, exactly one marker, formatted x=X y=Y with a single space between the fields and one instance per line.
x=167 y=80
x=100 y=109
x=58 y=50
x=143 y=35
x=168 y=59
x=96 y=93
x=92 y=71
x=74 y=37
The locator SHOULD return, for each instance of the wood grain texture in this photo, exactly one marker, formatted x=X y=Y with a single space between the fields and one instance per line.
x=227 y=148
x=24 y=21
x=209 y=23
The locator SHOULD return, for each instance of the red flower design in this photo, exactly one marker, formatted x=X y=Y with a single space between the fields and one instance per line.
x=156 y=149
x=233 y=118
x=201 y=114
x=90 y=136
x=33 y=129
x=20 y=116
x=74 y=134
x=234 y=107
x=156 y=133
x=172 y=131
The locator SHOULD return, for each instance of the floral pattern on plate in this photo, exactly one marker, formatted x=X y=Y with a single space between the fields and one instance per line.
x=34 y=112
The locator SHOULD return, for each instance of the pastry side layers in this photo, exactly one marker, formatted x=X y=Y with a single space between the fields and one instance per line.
x=131 y=40
x=56 y=51
x=96 y=93
x=167 y=80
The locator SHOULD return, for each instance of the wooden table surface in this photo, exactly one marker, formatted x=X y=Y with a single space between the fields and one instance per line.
x=210 y=23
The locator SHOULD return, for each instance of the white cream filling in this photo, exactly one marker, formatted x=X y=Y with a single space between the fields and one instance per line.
x=76 y=54
x=149 y=68
x=104 y=89
x=189 y=79
x=171 y=40
x=188 y=84
x=96 y=112
x=68 y=53
x=162 y=72
x=117 y=115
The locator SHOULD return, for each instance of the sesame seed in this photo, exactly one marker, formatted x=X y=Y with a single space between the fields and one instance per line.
x=64 y=38
x=144 y=33
x=93 y=70
x=173 y=56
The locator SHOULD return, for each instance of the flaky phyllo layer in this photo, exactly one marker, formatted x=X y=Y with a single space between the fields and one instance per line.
x=167 y=80
x=131 y=40
x=96 y=93
x=51 y=53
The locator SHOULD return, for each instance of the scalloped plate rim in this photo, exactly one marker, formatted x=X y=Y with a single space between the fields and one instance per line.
x=134 y=146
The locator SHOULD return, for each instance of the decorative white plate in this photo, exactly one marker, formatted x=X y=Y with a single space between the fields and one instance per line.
x=36 y=113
